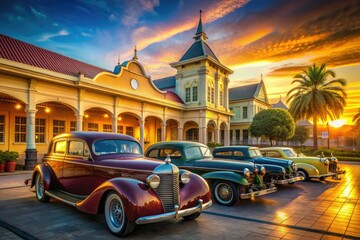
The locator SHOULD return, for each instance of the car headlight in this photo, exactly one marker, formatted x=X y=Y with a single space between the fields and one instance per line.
x=246 y=172
x=283 y=171
x=263 y=170
x=326 y=162
x=293 y=166
x=256 y=170
x=153 y=181
x=185 y=177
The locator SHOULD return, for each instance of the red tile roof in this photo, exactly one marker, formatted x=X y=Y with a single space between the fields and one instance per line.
x=22 y=52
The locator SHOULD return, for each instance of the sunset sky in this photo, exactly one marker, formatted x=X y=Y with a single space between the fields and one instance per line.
x=275 y=38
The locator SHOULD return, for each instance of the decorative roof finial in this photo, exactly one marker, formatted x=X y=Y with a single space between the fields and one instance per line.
x=261 y=77
x=118 y=59
x=135 y=54
x=200 y=33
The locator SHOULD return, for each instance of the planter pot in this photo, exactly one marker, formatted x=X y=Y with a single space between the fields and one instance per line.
x=10 y=166
x=2 y=167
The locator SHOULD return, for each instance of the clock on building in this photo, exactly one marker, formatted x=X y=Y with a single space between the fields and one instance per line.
x=134 y=84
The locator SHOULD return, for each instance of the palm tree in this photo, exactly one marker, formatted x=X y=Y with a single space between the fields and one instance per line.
x=356 y=118
x=317 y=98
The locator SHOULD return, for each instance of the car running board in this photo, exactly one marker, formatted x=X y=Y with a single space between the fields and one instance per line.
x=63 y=197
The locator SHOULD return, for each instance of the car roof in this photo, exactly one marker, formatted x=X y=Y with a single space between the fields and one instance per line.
x=275 y=148
x=181 y=144
x=92 y=136
x=235 y=147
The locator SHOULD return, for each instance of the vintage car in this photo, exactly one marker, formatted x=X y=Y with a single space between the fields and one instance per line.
x=107 y=173
x=229 y=180
x=308 y=167
x=253 y=155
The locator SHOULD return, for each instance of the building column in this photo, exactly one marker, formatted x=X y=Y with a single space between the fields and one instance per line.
x=217 y=135
x=180 y=133
x=30 y=152
x=226 y=137
x=114 y=124
x=79 y=122
x=226 y=93
x=163 y=131
x=216 y=90
x=202 y=135
x=142 y=127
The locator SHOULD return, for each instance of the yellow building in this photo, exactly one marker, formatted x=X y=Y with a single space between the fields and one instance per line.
x=43 y=93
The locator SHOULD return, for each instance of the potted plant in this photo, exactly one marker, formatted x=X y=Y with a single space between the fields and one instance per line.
x=10 y=160
x=2 y=162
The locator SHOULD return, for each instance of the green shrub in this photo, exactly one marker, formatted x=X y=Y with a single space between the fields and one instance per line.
x=10 y=156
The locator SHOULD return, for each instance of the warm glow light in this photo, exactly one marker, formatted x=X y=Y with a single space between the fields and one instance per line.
x=47 y=110
x=337 y=123
x=281 y=215
x=119 y=118
x=86 y=115
x=18 y=106
x=106 y=115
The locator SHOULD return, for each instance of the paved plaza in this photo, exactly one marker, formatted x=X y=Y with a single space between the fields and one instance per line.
x=307 y=210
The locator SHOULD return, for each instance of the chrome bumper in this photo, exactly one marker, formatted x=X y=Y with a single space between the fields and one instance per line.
x=323 y=175
x=258 y=193
x=174 y=215
x=290 y=180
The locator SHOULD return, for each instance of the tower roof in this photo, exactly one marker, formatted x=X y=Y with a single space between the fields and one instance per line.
x=199 y=47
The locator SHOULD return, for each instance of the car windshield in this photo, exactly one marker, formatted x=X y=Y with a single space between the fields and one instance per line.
x=116 y=146
x=254 y=153
x=197 y=153
x=290 y=152
x=206 y=152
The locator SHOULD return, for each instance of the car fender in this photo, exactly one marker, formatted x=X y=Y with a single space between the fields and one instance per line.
x=196 y=187
x=225 y=175
x=310 y=169
x=274 y=169
x=46 y=173
x=137 y=197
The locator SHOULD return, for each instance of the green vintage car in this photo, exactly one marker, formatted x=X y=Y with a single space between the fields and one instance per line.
x=309 y=167
x=229 y=180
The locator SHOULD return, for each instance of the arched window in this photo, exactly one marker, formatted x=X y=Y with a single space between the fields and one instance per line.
x=195 y=91
x=210 y=92
x=187 y=92
x=192 y=134
x=191 y=92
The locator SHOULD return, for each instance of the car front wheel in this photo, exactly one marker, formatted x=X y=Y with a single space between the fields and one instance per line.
x=303 y=173
x=225 y=193
x=40 y=190
x=115 y=217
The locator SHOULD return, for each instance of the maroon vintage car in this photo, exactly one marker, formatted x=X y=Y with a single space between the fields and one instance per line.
x=107 y=173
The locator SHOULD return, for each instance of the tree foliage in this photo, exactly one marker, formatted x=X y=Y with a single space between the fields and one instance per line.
x=356 y=118
x=301 y=134
x=274 y=124
x=315 y=98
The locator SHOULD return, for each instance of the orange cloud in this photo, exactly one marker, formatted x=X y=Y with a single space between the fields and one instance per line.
x=145 y=36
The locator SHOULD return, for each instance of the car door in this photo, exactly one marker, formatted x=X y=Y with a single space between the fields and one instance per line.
x=77 y=168
x=55 y=159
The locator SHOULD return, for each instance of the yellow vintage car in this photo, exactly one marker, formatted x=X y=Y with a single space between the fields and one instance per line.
x=308 y=167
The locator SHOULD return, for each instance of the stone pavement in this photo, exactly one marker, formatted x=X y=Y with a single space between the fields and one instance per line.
x=307 y=210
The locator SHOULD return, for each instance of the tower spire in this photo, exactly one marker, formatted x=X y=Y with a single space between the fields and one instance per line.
x=200 y=33
x=135 y=54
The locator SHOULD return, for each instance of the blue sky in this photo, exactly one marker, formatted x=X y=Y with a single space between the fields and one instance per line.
x=275 y=38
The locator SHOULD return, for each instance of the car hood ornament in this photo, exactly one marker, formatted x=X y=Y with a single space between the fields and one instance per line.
x=168 y=159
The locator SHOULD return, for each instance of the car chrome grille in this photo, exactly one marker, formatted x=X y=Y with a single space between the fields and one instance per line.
x=168 y=191
x=333 y=167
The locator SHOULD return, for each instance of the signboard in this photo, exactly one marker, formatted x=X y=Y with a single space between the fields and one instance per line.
x=325 y=134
